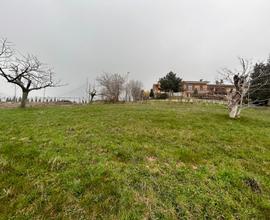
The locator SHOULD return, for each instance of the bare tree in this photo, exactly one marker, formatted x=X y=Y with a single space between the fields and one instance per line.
x=27 y=72
x=135 y=87
x=5 y=51
x=127 y=88
x=112 y=85
x=91 y=92
x=242 y=81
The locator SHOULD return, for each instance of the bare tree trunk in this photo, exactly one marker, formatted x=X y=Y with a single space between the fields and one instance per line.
x=234 y=104
x=24 y=98
x=234 y=111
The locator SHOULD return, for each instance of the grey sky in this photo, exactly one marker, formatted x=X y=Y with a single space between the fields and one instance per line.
x=148 y=38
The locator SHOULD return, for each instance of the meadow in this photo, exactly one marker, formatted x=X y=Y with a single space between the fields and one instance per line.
x=157 y=160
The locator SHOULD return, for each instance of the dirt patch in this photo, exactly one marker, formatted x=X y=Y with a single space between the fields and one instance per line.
x=8 y=105
x=151 y=159
x=253 y=184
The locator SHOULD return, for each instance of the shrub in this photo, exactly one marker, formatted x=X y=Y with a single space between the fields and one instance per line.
x=162 y=96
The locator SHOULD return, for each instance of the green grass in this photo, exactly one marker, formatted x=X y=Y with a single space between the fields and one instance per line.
x=134 y=161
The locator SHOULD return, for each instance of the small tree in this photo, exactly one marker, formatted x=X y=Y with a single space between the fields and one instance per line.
x=245 y=84
x=196 y=92
x=135 y=89
x=93 y=93
x=152 y=95
x=112 y=85
x=144 y=95
x=241 y=82
x=259 y=91
x=170 y=83
x=25 y=71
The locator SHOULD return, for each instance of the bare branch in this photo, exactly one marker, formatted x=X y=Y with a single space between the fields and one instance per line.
x=112 y=85
x=25 y=71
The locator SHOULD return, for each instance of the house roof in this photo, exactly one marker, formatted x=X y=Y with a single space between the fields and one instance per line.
x=221 y=85
x=196 y=82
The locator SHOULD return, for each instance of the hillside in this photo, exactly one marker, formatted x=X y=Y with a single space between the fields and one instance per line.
x=134 y=161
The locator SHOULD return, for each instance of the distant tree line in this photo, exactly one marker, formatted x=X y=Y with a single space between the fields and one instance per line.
x=114 y=85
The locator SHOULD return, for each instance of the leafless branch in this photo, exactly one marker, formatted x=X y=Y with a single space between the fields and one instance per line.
x=112 y=85
x=25 y=71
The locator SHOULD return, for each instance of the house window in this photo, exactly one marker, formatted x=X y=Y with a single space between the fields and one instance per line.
x=190 y=87
x=201 y=87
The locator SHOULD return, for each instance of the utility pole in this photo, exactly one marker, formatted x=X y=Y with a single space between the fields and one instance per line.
x=87 y=90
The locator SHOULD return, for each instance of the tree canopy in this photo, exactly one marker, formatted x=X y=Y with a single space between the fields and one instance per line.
x=260 y=83
x=170 y=82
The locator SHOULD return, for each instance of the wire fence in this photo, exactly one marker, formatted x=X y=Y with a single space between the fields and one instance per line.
x=195 y=100
x=84 y=100
x=36 y=99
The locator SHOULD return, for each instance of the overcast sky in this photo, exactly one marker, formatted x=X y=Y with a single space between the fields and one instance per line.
x=148 y=38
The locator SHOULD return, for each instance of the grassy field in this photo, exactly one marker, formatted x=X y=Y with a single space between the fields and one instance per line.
x=134 y=161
